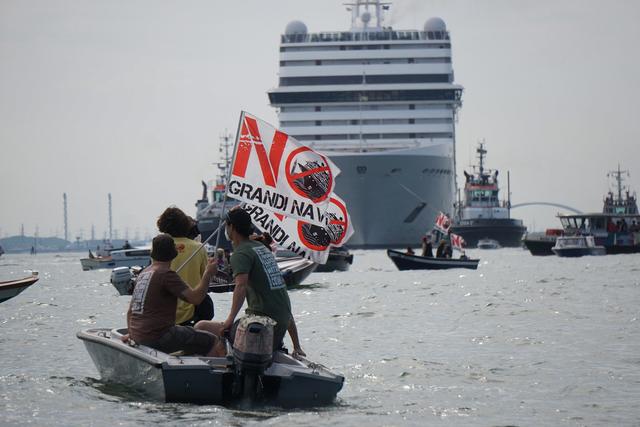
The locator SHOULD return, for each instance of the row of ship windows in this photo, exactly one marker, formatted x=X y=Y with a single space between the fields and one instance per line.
x=366 y=96
x=386 y=34
x=431 y=171
x=363 y=79
x=299 y=63
x=289 y=124
x=365 y=136
x=364 y=47
x=365 y=107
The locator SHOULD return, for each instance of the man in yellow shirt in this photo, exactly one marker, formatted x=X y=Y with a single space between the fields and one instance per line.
x=176 y=223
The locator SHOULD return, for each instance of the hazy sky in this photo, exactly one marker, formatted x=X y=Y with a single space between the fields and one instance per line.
x=130 y=97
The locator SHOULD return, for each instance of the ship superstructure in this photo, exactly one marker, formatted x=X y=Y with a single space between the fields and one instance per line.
x=622 y=202
x=382 y=104
x=482 y=215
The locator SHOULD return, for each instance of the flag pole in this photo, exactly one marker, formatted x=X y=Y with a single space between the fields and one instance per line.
x=228 y=177
x=224 y=202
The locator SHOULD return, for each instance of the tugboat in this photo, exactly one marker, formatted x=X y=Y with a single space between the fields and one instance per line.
x=482 y=215
x=208 y=214
x=617 y=228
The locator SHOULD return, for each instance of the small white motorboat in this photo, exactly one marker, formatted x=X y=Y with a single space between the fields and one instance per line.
x=245 y=374
x=577 y=246
x=487 y=243
x=120 y=258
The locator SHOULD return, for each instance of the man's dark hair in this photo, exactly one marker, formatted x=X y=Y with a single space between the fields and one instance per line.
x=240 y=220
x=194 y=231
x=174 y=222
x=163 y=248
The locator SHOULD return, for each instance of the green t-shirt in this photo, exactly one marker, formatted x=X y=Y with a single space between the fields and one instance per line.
x=267 y=293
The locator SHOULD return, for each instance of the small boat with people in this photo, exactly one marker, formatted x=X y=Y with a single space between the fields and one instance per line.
x=487 y=243
x=405 y=261
x=118 y=258
x=252 y=377
x=11 y=288
x=295 y=270
x=577 y=246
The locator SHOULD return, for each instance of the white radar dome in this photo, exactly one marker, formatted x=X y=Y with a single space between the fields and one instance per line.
x=435 y=24
x=366 y=17
x=295 y=27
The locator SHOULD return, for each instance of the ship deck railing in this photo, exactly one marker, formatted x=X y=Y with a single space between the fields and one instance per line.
x=346 y=36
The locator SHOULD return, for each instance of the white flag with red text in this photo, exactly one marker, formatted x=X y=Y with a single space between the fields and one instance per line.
x=276 y=172
x=308 y=240
x=457 y=241
x=443 y=222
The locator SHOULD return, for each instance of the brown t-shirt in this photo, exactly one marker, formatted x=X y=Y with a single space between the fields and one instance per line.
x=152 y=311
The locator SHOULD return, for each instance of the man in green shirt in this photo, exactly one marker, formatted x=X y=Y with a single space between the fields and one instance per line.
x=258 y=280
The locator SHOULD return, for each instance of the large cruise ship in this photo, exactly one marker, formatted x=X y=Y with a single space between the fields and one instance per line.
x=382 y=104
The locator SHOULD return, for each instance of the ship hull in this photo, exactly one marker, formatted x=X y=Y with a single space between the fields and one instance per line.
x=539 y=247
x=393 y=198
x=507 y=232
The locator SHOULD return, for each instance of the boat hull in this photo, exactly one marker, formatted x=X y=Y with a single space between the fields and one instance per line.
x=13 y=288
x=97 y=263
x=539 y=247
x=336 y=261
x=288 y=382
x=413 y=262
x=507 y=232
x=578 y=252
x=393 y=197
x=294 y=271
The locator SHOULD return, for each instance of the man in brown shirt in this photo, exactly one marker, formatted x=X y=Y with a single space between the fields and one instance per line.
x=152 y=311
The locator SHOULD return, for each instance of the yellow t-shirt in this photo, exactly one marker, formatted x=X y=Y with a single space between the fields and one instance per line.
x=190 y=273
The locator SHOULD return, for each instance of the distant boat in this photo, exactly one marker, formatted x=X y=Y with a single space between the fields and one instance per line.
x=1 y=250
x=208 y=214
x=482 y=214
x=120 y=258
x=406 y=261
x=339 y=260
x=488 y=244
x=294 y=271
x=577 y=246
x=617 y=228
x=11 y=288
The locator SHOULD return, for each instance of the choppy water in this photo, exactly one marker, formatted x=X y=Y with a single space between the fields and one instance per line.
x=521 y=341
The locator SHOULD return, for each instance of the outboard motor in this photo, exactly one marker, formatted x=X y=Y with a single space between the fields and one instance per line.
x=121 y=279
x=253 y=351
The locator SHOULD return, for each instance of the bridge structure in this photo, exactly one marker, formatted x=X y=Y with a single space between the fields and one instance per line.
x=557 y=205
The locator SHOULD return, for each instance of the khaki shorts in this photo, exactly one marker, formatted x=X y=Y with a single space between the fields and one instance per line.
x=278 y=335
